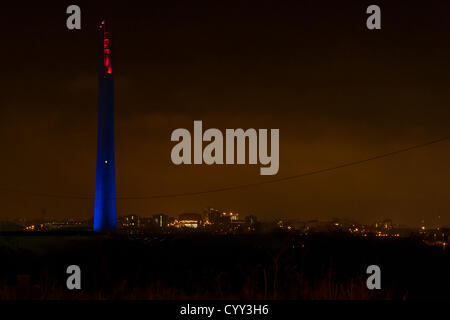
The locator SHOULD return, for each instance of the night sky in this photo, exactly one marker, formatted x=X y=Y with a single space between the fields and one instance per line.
x=337 y=91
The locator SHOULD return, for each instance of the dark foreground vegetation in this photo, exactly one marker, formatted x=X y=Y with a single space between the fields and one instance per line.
x=205 y=266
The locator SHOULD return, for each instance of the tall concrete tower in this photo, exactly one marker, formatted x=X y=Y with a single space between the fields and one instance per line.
x=105 y=184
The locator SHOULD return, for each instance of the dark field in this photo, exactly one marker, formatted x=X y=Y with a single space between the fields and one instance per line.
x=205 y=266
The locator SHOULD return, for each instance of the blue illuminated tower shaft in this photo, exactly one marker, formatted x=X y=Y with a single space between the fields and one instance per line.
x=105 y=184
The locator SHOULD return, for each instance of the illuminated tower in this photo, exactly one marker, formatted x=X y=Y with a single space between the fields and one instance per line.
x=105 y=184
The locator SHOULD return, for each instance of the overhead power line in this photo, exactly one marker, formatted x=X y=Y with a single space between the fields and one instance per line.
x=240 y=186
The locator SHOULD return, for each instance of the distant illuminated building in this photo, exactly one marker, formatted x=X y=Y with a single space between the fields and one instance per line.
x=188 y=220
x=233 y=216
x=214 y=215
x=160 y=220
x=130 y=221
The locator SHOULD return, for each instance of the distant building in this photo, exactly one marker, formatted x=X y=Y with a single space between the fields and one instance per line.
x=129 y=222
x=214 y=216
x=221 y=218
x=188 y=220
x=160 y=220
x=251 y=220
x=385 y=224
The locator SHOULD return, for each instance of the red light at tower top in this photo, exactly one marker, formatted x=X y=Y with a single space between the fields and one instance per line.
x=107 y=54
x=107 y=63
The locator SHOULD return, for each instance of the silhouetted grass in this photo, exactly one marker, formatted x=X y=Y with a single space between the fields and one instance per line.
x=270 y=266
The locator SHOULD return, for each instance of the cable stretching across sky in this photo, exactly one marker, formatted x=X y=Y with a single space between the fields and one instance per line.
x=241 y=186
